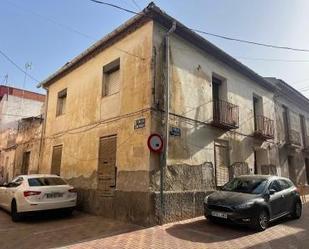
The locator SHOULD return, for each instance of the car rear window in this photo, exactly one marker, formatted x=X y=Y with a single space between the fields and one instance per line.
x=46 y=181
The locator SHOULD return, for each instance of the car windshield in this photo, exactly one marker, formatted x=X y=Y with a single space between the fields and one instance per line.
x=46 y=181
x=246 y=185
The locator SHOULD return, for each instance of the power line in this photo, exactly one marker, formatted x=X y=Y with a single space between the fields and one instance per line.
x=136 y=4
x=51 y=20
x=251 y=42
x=212 y=34
x=116 y=6
x=17 y=66
x=270 y=59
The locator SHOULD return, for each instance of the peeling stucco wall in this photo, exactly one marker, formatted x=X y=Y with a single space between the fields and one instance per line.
x=89 y=116
x=191 y=99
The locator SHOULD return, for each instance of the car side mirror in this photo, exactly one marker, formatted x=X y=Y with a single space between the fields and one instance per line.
x=272 y=191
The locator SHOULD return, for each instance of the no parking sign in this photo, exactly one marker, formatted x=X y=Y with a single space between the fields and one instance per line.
x=155 y=143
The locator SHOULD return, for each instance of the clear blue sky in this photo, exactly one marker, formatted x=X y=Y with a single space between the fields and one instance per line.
x=36 y=31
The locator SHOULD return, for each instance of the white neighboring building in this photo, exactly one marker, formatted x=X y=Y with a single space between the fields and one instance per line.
x=16 y=104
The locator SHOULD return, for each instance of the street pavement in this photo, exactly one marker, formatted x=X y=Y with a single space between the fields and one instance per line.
x=87 y=231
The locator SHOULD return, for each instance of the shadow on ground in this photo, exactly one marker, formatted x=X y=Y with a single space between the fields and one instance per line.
x=284 y=233
x=56 y=229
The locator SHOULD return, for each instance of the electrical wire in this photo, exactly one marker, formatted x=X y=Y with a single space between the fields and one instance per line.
x=137 y=6
x=251 y=42
x=271 y=60
x=116 y=6
x=212 y=34
x=17 y=66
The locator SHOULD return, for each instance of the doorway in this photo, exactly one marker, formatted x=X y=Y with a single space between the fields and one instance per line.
x=222 y=162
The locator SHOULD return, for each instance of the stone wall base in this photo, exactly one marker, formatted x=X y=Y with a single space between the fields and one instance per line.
x=180 y=205
x=143 y=208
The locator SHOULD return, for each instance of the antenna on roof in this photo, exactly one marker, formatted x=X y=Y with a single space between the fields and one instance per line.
x=6 y=83
x=28 y=66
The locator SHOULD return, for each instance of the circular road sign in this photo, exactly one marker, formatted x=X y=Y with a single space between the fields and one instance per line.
x=155 y=143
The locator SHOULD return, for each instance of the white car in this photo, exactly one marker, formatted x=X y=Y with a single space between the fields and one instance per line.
x=28 y=193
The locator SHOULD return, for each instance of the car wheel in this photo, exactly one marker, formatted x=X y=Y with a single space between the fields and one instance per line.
x=211 y=218
x=260 y=223
x=297 y=210
x=14 y=214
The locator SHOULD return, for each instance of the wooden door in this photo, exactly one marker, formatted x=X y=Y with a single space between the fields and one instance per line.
x=56 y=160
x=107 y=166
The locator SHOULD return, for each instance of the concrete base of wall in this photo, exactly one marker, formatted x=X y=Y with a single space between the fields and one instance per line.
x=134 y=207
x=143 y=208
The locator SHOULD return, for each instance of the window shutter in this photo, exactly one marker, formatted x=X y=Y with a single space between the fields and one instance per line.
x=56 y=160
x=113 y=82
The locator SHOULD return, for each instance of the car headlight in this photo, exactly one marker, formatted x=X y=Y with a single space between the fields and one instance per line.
x=206 y=199
x=245 y=205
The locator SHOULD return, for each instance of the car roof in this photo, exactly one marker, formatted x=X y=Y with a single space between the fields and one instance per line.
x=37 y=176
x=266 y=177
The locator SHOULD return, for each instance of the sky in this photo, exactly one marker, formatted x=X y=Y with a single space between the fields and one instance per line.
x=49 y=33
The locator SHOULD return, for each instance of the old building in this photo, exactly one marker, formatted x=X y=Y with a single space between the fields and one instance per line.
x=292 y=125
x=28 y=145
x=15 y=104
x=103 y=105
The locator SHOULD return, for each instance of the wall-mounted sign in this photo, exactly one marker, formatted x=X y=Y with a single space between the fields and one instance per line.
x=155 y=143
x=139 y=123
x=175 y=131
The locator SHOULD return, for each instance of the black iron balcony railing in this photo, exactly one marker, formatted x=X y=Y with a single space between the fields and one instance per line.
x=293 y=138
x=225 y=114
x=264 y=127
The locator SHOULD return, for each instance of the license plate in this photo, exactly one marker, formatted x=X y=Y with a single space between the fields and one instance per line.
x=219 y=214
x=53 y=195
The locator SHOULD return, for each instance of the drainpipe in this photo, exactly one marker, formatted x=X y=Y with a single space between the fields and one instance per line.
x=40 y=159
x=167 y=103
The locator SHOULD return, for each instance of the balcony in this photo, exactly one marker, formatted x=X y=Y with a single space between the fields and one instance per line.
x=264 y=127
x=225 y=115
x=293 y=138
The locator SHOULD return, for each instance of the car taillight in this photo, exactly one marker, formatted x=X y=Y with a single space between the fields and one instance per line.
x=72 y=190
x=30 y=193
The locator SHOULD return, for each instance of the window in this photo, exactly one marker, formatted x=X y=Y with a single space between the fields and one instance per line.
x=257 y=111
x=246 y=185
x=25 y=163
x=285 y=184
x=46 y=181
x=285 y=115
x=111 y=78
x=275 y=185
x=61 y=102
x=303 y=130
x=56 y=160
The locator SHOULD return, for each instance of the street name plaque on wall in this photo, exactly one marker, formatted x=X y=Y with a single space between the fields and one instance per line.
x=139 y=123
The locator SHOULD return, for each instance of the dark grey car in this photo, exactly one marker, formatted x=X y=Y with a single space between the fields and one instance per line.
x=254 y=200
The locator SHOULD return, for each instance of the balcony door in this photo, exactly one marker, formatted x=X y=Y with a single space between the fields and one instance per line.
x=216 y=83
x=307 y=169
x=222 y=162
